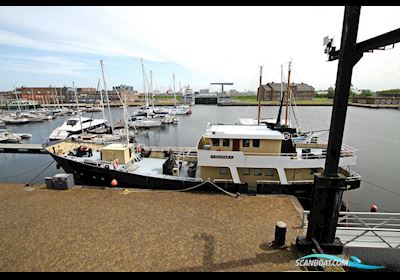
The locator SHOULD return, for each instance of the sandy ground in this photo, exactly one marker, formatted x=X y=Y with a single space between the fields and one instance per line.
x=103 y=230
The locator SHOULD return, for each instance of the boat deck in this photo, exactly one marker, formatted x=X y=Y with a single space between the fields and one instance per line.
x=103 y=230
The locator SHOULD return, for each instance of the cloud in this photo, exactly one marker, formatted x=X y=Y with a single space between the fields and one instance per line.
x=215 y=43
x=53 y=65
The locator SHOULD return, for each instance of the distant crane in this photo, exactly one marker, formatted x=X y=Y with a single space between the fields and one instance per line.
x=222 y=87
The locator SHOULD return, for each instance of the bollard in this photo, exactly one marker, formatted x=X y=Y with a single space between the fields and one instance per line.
x=280 y=234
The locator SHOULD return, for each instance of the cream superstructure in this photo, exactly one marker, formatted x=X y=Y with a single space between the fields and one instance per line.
x=253 y=154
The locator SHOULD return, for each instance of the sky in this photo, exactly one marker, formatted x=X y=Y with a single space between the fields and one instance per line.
x=42 y=46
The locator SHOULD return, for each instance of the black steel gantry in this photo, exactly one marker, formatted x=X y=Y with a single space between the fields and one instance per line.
x=329 y=186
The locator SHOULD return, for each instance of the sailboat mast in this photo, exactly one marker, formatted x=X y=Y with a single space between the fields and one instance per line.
x=77 y=106
x=58 y=104
x=126 y=122
x=101 y=100
x=16 y=96
x=259 y=97
x=151 y=88
x=173 y=77
x=287 y=95
x=144 y=88
x=33 y=99
x=108 y=100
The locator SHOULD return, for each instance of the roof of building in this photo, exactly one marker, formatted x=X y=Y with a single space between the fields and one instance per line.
x=242 y=132
x=277 y=86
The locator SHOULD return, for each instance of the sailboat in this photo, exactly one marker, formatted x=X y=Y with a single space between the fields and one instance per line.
x=284 y=125
x=145 y=121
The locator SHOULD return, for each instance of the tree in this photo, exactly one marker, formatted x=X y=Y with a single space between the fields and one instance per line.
x=366 y=92
x=331 y=92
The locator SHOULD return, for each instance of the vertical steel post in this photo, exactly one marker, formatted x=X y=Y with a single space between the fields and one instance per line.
x=328 y=187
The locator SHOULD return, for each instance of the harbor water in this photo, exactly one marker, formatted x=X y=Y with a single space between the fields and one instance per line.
x=375 y=133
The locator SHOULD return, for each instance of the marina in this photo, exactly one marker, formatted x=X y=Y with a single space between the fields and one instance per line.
x=204 y=182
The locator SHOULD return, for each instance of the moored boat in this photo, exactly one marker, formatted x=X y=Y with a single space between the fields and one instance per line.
x=75 y=125
x=240 y=158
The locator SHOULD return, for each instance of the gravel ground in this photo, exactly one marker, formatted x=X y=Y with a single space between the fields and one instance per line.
x=103 y=230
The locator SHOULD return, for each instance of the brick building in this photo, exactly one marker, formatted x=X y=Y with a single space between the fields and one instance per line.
x=378 y=99
x=61 y=95
x=272 y=91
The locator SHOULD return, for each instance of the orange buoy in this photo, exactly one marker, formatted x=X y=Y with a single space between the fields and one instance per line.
x=373 y=208
x=114 y=182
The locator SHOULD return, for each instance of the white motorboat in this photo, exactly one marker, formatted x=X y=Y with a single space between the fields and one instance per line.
x=10 y=119
x=7 y=136
x=145 y=123
x=73 y=126
x=23 y=136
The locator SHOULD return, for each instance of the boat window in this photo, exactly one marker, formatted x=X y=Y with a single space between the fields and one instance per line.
x=257 y=172
x=246 y=143
x=72 y=122
x=256 y=143
x=215 y=141
x=223 y=171
x=226 y=142
x=246 y=171
x=269 y=172
x=87 y=121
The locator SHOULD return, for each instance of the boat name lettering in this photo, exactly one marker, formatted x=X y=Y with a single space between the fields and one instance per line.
x=220 y=156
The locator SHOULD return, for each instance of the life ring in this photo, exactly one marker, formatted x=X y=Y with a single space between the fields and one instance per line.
x=287 y=135
x=115 y=163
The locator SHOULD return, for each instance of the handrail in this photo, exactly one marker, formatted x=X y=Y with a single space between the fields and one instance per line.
x=352 y=226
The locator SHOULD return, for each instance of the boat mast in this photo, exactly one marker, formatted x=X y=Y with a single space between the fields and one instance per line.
x=278 y=119
x=151 y=88
x=108 y=100
x=173 y=77
x=58 y=104
x=259 y=97
x=144 y=88
x=77 y=106
x=126 y=122
x=101 y=100
x=16 y=96
x=287 y=95
x=34 y=107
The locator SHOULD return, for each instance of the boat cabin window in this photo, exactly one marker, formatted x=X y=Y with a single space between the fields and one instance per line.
x=269 y=172
x=257 y=172
x=89 y=120
x=72 y=122
x=256 y=143
x=246 y=143
x=226 y=142
x=215 y=141
x=246 y=171
x=223 y=171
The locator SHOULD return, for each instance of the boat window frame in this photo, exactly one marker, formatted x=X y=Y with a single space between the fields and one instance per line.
x=246 y=141
x=258 y=141
x=214 y=142
x=223 y=142
x=74 y=122
x=246 y=171
x=257 y=174
x=225 y=172
x=269 y=172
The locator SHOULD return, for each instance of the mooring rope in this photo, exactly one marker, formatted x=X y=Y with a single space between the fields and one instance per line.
x=126 y=191
x=29 y=171
x=40 y=173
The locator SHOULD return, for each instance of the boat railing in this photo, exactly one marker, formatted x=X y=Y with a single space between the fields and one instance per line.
x=366 y=229
x=304 y=155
